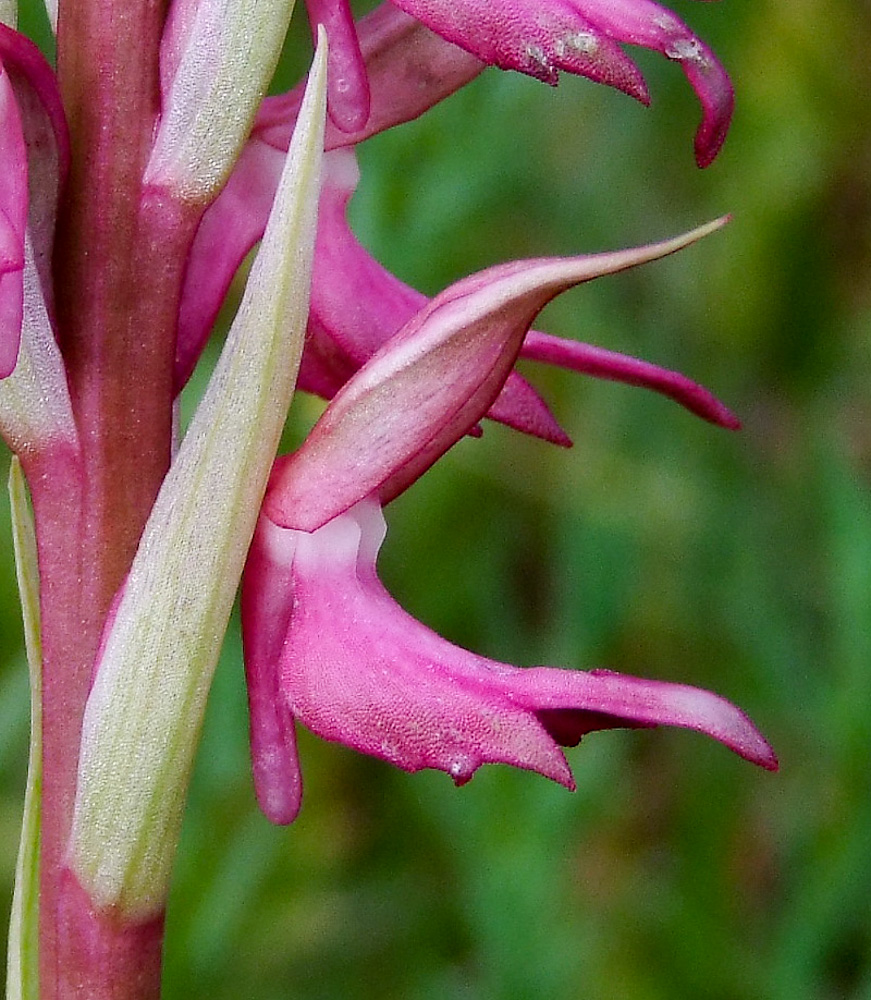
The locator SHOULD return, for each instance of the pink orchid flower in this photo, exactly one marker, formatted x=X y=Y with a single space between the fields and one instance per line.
x=389 y=67
x=327 y=645
x=540 y=38
x=357 y=306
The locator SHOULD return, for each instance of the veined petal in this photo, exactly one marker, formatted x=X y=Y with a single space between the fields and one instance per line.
x=355 y=668
x=429 y=385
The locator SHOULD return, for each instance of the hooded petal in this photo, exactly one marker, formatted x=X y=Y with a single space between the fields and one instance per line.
x=429 y=385
x=357 y=305
x=541 y=37
x=349 y=663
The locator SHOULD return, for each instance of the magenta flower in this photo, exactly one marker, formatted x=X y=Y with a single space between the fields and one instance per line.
x=581 y=36
x=357 y=306
x=388 y=68
x=540 y=38
x=324 y=641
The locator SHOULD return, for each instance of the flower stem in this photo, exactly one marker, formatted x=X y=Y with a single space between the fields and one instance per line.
x=118 y=267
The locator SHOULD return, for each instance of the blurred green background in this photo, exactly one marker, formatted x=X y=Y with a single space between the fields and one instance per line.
x=659 y=546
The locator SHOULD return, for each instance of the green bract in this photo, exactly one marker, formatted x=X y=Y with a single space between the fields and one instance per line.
x=22 y=971
x=230 y=53
x=144 y=714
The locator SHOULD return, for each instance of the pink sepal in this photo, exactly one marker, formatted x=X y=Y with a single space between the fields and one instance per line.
x=267 y=604
x=580 y=36
x=227 y=231
x=601 y=363
x=348 y=86
x=355 y=668
x=428 y=386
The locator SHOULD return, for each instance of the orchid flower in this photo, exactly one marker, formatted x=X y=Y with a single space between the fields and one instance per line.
x=540 y=39
x=327 y=645
x=357 y=306
x=392 y=67
x=136 y=176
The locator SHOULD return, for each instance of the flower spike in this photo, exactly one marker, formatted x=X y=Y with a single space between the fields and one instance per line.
x=326 y=644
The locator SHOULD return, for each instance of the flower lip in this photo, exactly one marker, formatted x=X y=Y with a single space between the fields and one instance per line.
x=327 y=645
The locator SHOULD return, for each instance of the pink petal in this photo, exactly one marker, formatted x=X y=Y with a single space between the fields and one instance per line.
x=266 y=610
x=428 y=386
x=540 y=37
x=600 y=363
x=532 y=37
x=642 y=22
x=348 y=86
x=409 y=70
x=520 y=407
x=357 y=669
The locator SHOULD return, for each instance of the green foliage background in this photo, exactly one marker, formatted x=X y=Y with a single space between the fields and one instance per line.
x=659 y=546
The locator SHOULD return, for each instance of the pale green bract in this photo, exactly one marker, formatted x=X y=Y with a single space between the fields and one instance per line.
x=232 y=50
x=144 y=714
x=9 y=13
x=22 y=970
x=34 y=400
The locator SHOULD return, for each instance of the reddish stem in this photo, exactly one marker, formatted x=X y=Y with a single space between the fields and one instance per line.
x=119 y=262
